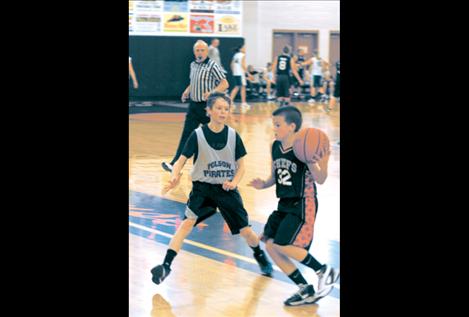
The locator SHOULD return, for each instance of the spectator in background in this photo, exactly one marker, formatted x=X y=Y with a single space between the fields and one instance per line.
x=327 y=86
x=253 y=81
x=214 y=53
x=269 y=81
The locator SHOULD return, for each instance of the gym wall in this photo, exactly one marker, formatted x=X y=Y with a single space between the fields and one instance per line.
x=162 y=64
x=260 y=18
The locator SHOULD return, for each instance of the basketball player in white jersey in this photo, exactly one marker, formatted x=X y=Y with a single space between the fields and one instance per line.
x=319 y=65
x=239 y=69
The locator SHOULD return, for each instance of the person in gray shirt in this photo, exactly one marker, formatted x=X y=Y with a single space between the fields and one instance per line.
x=214 y=53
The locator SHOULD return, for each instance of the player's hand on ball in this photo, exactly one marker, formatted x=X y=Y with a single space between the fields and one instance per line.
x=257 y=183
x=314 y=159
x=326 y=151
x=227 y=185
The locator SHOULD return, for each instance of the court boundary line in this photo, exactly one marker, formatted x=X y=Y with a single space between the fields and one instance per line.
x=207 y=247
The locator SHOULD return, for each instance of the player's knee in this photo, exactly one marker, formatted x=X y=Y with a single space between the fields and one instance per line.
x=245 y=232
x=269 y=246
x=188 y=224
x=278 y=247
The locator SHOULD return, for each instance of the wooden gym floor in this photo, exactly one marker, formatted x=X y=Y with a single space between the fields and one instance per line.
x=214 y=274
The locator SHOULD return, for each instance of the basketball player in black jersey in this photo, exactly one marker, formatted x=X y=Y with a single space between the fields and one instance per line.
x=282 y=65
x=288 y=233
x=299 y=59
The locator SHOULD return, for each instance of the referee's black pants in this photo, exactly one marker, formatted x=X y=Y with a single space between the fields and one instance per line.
x=196 y=115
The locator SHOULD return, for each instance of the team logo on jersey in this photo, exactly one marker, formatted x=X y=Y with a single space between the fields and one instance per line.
x=219 y=169
x=284 y=168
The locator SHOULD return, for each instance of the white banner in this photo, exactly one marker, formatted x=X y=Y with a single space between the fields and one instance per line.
x=185 y=18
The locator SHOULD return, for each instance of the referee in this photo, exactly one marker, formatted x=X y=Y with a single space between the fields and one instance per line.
x=206 y=77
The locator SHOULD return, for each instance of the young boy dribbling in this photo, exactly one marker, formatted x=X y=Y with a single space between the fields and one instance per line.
x=288 y=233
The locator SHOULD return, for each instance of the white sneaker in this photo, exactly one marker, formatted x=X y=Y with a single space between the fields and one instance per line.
x=306 y=295
x=327 y=276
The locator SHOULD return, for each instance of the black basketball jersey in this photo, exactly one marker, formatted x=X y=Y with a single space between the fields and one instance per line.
x=299 y=59
x=283 y=65
x=292 y=176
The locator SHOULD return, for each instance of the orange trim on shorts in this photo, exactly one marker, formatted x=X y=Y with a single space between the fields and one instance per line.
x=305 y=236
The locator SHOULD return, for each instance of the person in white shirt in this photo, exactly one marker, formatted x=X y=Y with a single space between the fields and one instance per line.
x=319 y=65
x=239 y=69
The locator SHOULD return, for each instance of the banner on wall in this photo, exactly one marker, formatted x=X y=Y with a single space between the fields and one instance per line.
x=228 y=25
x=185 y=17
x=176 y=22
x=202 y=24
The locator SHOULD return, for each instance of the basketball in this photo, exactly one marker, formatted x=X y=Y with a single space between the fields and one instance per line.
x=310 y=142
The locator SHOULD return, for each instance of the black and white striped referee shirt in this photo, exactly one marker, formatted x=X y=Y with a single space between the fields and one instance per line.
x=204 y=76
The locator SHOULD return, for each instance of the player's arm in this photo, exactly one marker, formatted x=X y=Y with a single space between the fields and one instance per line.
x=185 y=94
x=274 y=70
x=176 y=174
x=308 y=62
x=325 y=65
x=243 y=64
x=271 y=180
x=245 y=69
x=240 y=170
x=189 y=149
x=319 y=169
x=132 y=75
x=295 y=72
x=258 y=183
x=223 y=86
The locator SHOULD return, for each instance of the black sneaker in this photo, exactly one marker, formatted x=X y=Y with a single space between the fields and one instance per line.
x=264 y=263
x=306 y=295
x=159 y=272
x=167 y=167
